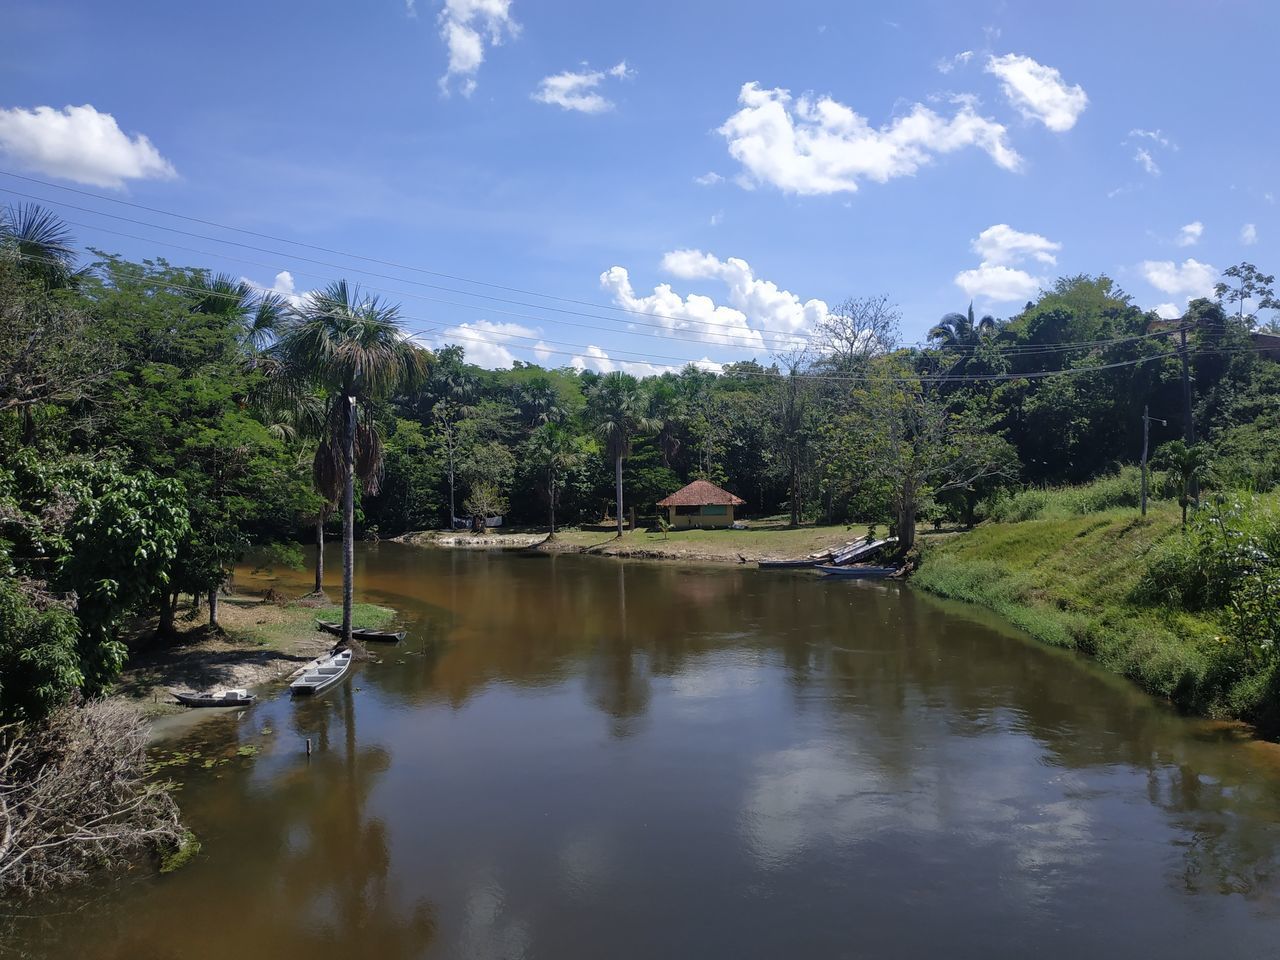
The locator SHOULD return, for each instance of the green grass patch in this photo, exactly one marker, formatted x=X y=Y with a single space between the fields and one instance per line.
x=1077 y=581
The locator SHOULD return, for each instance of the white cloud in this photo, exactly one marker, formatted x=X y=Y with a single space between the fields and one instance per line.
x=947 y=64
x=759 y=314
x=1168 y=311
x=1190 y=234
x=1156 y=136
x=998 y=277
x=466 y=26
x=717 y=218
x=1143 y=158
x=819 y=146
x=578 y=91
x=708 y=179
x=1038 y=91
x=284 y=286
x=1189 y=279
x=1249 y=234
x=487 y=344
x=594 y=358
x=998 y=284
x=411 y=8
x=1002 y=245
x=79 y=144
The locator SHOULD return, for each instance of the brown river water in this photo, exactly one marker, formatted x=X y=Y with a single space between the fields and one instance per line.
x=575 y=757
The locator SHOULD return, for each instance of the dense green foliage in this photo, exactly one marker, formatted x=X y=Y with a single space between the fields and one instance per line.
x=191 y=417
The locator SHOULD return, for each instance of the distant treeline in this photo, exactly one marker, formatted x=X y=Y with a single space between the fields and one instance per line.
x=154 y=429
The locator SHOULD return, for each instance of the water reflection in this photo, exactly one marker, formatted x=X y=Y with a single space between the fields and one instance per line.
x=572 y=757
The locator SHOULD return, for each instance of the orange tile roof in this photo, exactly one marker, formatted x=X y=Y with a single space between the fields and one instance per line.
x=701 y=493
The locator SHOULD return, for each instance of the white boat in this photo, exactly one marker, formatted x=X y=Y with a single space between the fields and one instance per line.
x=322 y=674
x=237 y=697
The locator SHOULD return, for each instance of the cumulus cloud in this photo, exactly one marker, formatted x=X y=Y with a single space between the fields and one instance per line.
x=488 y=344
x=1249 y=234
x=579 y=90
x=1039 y=92
x=998 y=277
x=284 y=286
x=1167 y=311
x=1191 y=278
x=820 y=146
x=467 y=26
x=79 y=144
x=1190 y=234
x=947 y=64
x=759 y=313
x=708 y=179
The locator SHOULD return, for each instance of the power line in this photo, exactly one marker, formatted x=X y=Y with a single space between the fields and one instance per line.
x=578 y=350
x=720 y=329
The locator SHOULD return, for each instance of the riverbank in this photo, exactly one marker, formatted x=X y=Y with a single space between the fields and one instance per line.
x=762 y=540
x=260 y=641
x=1072 y=582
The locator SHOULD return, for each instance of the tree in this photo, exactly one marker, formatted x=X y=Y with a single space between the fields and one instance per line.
x=40 y=244
x=350 y=345
x=904 y=446
x=789 y=423
x=856 y=330
x=1189 y=465
x=618 y=411
x=555 y=446
x=484 y=501
x=1247 y=283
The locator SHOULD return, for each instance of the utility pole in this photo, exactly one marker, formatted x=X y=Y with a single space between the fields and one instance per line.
x=1188 y=424
x=1146 y=431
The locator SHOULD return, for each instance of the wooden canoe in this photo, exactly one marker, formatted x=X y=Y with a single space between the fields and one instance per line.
x=322 y=674
x=364 y=633
x=785 y=564
x=864 y=573
x=219 y=698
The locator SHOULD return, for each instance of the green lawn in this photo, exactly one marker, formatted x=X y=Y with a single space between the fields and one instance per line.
x=1069 y=582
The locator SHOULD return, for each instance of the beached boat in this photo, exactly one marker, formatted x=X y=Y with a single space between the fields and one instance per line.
x=237 y=697
x=322 y=674
x=785 y=564
x=864 y=573
x=862 y=550
x=377 y=636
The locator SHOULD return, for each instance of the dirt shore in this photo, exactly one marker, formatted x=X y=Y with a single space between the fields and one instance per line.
x=760 y=541
x=259 y=642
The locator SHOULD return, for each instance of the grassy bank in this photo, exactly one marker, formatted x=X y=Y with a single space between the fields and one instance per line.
x=763 y=539
x=259 y=642
x=1083 y=581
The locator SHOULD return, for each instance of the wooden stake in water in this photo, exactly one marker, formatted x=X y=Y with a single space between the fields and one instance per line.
x=308 y=746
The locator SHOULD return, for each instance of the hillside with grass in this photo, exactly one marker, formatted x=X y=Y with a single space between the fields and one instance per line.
x=1190 y=616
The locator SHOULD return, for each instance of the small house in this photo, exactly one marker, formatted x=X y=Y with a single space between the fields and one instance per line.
x=700 y=505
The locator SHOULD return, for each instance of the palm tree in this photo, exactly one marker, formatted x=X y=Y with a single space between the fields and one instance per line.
x=1189 y=465
x=41 y=244
x=553 y=445
x=961 y=331
x=618 y=410
x=350 y=345
x=257 y=314
x=539 y=401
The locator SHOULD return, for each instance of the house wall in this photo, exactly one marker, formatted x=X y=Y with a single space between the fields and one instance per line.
x=701 y=520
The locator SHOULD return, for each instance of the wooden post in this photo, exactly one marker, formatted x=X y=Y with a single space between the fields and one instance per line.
x=1145 y=423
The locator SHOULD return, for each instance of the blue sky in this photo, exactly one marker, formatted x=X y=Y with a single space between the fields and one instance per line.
x=728 y=172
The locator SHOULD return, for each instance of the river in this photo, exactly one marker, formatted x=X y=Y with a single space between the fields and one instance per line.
x=572 y=757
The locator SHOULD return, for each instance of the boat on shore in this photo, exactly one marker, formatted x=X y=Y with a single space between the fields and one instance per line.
x=237 y=697
x=856 y=572
x=322 y=674
x=786 y=564
x=363 y=633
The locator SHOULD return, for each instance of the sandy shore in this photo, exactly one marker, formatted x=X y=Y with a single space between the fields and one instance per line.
x=260 y=643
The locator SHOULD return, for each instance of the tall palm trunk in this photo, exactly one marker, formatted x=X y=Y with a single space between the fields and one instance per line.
x=320 y=552
x=348 y=517
x=551 y=496
x=617 y=482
